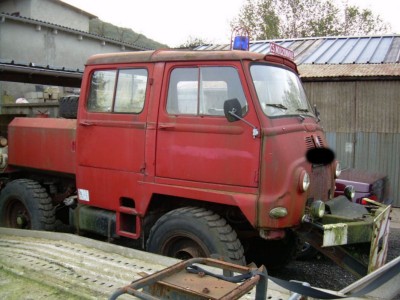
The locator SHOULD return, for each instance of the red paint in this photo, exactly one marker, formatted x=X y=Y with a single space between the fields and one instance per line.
x=204 y=158
x=43 y=143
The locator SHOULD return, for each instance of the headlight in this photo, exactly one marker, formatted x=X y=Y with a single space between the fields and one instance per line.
x=338 y=169
x=304 y=182
x=317 y=210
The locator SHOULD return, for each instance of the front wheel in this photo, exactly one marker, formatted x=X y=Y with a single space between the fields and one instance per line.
x=25 y=204
x=190 y=232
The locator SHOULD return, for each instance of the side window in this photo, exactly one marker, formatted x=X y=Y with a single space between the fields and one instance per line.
x=131 y=91
x=203 y=91
x=118 y=91
x=101 y=93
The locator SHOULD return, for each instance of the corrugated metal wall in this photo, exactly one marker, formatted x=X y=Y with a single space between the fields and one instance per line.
x=362 y=122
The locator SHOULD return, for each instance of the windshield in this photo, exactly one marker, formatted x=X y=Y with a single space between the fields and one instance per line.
x=279 y=91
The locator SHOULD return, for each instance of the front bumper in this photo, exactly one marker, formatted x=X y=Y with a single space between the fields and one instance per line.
x=345 y=228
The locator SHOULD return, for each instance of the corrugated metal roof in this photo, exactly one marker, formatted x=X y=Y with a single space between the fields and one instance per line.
x=337 y=56
x=349 y=70
x=31 y=73
x=333 y=50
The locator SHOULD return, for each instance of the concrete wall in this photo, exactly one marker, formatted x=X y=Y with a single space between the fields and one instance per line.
x=59 y=13
x=51 y=11
x=28 y=41
x=24 y=42
x=23 y=7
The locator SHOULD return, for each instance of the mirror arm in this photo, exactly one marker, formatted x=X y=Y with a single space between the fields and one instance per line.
x=256 y=132
x=316 y=112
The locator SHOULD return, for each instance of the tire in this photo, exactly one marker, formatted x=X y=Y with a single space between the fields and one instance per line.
x=25 y=204
x=190 y=232
x=68 y=108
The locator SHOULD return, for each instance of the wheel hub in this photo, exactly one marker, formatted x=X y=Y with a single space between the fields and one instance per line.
x=21 y=220
x=17 y=215
x=187 y=253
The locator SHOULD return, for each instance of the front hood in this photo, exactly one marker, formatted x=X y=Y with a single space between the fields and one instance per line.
x=284 y=160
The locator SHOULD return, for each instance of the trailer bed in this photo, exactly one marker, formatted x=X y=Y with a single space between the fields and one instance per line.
x=39 y=265
x=36 y=264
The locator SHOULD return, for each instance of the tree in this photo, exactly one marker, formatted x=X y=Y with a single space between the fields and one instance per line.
x=259 y=18
x=268 y=19
x=362 y=21
x=97 y=26
x=193 y=42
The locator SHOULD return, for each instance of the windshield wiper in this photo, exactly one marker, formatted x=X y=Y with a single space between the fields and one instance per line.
x=304 y=110
x=276 y=105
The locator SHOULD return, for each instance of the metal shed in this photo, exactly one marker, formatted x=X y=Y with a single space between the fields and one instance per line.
x=355 y=83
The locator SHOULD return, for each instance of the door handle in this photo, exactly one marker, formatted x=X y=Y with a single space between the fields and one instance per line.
x=86 y=123
x=166 y=126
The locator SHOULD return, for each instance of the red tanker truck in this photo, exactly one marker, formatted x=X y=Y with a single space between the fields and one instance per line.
x=190 y=154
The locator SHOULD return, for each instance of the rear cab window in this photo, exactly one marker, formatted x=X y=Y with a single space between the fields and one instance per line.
x=117 y=91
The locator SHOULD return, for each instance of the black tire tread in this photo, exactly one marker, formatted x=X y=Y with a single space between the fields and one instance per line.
x=215 y=223
x=68 y=107
x=46 y=210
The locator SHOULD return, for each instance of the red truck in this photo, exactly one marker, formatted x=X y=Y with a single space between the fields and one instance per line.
x=189 y=153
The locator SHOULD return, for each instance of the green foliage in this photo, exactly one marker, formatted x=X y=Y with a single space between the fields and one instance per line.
x=269 y=19
x=96 y=26
x=259 y=18
x=362 y=21
x=193 y=42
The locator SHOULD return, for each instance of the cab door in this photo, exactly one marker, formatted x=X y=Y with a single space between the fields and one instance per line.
x=195 y=142
x=111 y=136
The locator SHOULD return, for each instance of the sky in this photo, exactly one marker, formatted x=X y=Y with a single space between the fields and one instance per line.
x=174 y=22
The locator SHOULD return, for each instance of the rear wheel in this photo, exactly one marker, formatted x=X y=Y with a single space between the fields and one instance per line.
x=190 y=232
x=25 y=204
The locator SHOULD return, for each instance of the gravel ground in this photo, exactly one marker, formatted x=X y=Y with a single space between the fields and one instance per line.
x=322 y=272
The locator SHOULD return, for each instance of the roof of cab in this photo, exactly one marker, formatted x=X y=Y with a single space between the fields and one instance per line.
x=171 y=55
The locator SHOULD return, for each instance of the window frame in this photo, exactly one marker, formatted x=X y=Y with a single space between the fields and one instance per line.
x=310 y=113
x=115 y=89
x=200 y=100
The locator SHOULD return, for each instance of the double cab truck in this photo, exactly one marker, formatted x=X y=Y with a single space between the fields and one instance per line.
x=189 y=154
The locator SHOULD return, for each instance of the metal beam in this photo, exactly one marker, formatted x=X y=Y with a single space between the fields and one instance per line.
x=40 y=75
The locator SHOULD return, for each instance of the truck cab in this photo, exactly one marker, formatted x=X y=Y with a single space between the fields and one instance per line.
x=163 y=124
x=195 y=153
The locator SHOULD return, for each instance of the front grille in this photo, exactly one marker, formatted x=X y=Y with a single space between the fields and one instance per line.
x=314 y=141
x=320 y=188
x=321 y=142
x=309 y=143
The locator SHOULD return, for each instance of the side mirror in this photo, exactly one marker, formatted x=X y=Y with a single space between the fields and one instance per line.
x=320 y=156
x=232 y=110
